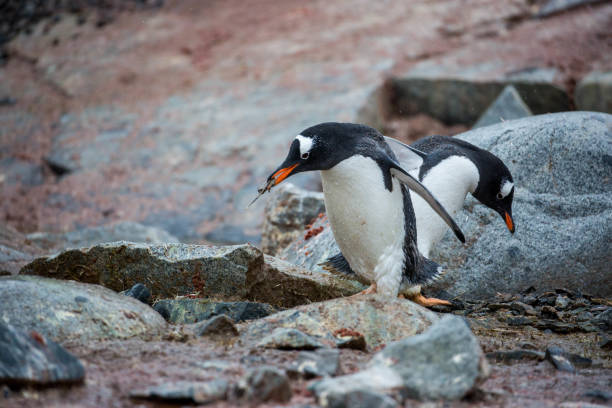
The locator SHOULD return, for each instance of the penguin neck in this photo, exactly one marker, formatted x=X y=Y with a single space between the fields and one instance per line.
x=449 y=181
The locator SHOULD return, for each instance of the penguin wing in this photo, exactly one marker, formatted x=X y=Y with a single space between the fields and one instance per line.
x=413 y=184
x=408 y=157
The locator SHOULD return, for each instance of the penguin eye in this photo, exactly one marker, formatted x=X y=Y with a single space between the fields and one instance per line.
x=305 y=155
x=499 y=196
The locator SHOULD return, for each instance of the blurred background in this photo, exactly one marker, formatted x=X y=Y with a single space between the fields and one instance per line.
x=170 y=114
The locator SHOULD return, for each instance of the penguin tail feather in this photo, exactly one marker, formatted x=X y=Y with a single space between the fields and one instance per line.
x=339 y=265
x=430 y=272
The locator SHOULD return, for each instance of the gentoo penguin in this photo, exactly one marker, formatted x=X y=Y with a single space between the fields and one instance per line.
x=450 y=169
x=368 y=204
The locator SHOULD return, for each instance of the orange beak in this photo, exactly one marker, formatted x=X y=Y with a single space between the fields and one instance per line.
x=282 y=174
x=509 y=222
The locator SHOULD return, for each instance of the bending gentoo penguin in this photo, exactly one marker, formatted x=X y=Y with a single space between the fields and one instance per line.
x=368 y=204
x=450 y=169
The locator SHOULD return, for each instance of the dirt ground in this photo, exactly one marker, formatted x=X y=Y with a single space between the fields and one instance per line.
x=115 y=368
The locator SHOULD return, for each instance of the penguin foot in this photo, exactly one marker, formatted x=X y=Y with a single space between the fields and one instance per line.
x=370 y=289
x=427 y=302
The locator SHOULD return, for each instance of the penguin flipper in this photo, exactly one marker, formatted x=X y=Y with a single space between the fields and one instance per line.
x=416 y=186
x=338 y=264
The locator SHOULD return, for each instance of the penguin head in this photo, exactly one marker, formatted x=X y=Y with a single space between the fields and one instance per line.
x=322 y=146
x=496 y=187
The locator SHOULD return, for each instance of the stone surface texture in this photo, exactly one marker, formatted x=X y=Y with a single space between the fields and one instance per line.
x=239 y=272
x=181 y=311
x=64 y=310
x=33 y=359
x=380 y=320
x=445 y=362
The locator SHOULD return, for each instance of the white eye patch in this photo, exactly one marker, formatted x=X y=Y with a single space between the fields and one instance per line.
x=305 y=144
x=506 y=188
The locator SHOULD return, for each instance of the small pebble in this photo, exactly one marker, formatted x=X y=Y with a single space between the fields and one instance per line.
x=556 y=356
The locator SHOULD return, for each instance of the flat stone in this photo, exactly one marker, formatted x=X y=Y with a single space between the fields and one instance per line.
x=507 y=106
x=512 y=356
x=557 y=357
x=218 y=325
x=284 y=338
x=66 y=310
x=604 y=319
x=86 y=237
x=319 y=363
x=35 y=360
x=368 y=315
x=288 y=210
x=266 y=384
x=182 y=311
x=523 y=308
x=445 y=362
x=185 y=392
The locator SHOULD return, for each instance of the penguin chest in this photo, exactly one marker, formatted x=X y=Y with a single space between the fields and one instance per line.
x=367 y=219
x=449 y=181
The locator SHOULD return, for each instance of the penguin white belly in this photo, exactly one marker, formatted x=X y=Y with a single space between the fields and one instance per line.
x=449 y=181
x=367 y=220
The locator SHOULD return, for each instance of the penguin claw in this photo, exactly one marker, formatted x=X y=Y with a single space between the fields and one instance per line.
x=369 y=290
x=429 y=302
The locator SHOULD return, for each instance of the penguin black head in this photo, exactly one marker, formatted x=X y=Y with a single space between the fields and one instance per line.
x=495 y=186
x=322 y=146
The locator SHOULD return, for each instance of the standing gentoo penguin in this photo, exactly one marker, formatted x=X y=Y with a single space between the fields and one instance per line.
x=368 y=204
x=450 y=169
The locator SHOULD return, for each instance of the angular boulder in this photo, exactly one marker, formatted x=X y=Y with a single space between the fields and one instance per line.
x=35 y=360
x=379 y=319
x=65 y=310
x=507 y=106
x=167 y=269
x=239 y=272
x=445 y=362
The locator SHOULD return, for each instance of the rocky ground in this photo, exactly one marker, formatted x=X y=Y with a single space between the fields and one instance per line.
x=130 y=128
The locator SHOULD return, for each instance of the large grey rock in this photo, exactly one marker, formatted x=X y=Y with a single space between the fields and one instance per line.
x=238 y=272
x=562 y=208
x=65 y=310
x=508 y=105
x=594 y=92
x=288 y=210
x=445 y=362
x=379 y=319
x=35 y=360
x=123 y=231
x=561 y=165
x=167 y=269
x=181 y=311
x=461 y=95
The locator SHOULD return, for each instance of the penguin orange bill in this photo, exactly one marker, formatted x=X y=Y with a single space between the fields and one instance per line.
x=282 y=174
x=509 y=222
x=274 y=179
